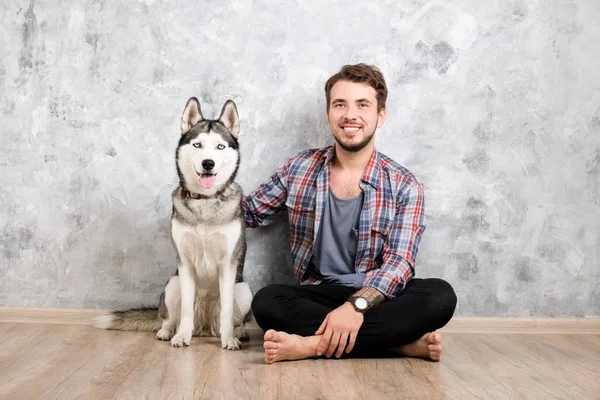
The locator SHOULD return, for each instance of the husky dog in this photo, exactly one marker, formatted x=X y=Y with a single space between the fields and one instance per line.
x=206 y=297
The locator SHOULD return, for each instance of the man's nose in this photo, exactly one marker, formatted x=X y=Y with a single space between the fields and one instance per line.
x=351 y=112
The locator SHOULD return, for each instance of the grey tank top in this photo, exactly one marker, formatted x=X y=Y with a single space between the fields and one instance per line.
x=335 y=246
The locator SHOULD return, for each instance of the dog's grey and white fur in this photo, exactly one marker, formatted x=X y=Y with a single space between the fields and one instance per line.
x=207 y=296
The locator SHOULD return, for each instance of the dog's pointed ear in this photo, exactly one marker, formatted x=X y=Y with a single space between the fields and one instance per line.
x=191 y=115
x=230 y=118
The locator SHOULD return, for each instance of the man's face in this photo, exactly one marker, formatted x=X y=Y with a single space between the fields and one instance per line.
x=353 y=116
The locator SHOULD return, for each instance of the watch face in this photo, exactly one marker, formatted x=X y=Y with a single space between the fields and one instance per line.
x=361 y=303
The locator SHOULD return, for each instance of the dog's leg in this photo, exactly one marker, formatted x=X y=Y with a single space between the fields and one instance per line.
x=186 y=323
x=226 y=293
x=170 y=309
x=242 y=303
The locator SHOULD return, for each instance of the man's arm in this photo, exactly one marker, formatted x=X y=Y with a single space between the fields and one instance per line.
x=262 y=206
x=373 y=296
x=399 y=251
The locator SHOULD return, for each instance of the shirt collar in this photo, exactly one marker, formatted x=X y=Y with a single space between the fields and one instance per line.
x=372 y=170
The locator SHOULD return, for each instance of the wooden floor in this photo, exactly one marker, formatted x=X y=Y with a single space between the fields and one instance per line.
x=50 y=361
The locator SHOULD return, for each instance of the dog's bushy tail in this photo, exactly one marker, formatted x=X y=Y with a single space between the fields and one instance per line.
x=133 y=319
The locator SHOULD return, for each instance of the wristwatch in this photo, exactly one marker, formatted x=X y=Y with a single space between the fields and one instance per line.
x=360 y=304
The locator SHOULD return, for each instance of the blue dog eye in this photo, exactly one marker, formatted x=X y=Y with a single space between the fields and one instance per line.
x=197 y=145
x=221 y=146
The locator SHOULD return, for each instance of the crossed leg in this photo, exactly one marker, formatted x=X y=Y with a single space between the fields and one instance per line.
x=405 y=325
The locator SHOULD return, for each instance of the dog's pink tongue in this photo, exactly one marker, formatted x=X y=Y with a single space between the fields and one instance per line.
x=207 y=180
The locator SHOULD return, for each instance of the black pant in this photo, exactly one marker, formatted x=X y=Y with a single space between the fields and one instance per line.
x=423 y=306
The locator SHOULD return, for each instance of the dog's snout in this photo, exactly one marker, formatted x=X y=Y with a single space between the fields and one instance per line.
x=208 y=164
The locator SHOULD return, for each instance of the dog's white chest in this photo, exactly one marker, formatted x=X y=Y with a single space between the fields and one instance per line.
x=207 y=247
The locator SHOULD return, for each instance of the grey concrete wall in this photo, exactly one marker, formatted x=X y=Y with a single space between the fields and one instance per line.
x=494 y=105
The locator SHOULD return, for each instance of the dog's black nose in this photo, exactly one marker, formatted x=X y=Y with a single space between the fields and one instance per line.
x=208 y=164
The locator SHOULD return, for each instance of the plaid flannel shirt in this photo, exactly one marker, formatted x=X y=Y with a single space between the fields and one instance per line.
x=392 y=219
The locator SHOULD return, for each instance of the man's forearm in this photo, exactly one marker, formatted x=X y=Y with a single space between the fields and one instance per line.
x=373 y=296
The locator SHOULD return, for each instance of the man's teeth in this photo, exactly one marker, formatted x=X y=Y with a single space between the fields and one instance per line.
x=351 y=128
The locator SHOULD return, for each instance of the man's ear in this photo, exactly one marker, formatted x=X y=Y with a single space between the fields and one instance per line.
x=381 y=118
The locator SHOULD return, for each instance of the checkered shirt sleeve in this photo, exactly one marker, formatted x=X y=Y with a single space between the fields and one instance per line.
x=401 y=248
x=264 y=204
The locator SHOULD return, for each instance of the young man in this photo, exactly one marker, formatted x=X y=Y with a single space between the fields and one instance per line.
x=356 y=218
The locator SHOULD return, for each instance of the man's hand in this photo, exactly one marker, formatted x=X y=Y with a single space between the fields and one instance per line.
x=340 y=325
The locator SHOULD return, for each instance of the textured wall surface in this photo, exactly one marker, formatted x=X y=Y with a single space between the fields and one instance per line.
x=495 y=106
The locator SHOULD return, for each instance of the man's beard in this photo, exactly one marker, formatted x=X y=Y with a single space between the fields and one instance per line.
x=355 y=147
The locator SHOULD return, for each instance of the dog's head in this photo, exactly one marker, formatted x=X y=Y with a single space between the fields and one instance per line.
x=207 y=155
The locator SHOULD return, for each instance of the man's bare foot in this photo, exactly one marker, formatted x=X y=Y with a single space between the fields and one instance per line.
x=429 y=346
x=281 y=346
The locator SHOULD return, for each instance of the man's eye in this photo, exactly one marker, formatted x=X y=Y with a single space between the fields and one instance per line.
x=221 y=146
x=197 y=145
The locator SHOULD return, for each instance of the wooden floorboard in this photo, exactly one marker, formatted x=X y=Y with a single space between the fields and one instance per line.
x=456 y=325
x=63 y=361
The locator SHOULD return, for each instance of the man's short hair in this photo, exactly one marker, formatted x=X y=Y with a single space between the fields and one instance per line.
x=360 y=73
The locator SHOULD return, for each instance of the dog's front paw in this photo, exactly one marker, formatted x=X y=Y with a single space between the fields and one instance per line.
x=181 y=339
x=231 y=343
x=164 y=334
x=241 y=333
